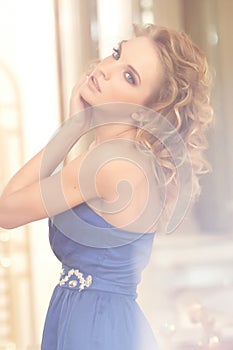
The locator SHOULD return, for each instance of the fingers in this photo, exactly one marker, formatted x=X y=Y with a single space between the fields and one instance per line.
x=76 y=101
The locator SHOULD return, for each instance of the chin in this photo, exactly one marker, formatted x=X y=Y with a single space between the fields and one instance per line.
x=86 y=101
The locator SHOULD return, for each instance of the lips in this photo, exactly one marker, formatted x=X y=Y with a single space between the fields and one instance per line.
x=94 y=81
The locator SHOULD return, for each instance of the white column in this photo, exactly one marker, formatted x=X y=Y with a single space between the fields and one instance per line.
x=115 y=19
x=36 y=73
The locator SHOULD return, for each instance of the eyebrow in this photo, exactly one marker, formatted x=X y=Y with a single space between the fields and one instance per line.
x=128 y=65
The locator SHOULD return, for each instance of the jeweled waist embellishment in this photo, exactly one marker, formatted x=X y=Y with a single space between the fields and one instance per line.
x=72 y=283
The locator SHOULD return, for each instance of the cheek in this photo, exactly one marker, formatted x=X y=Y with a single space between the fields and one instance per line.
x=115 y=90
x=122 y=90
x=124 y=93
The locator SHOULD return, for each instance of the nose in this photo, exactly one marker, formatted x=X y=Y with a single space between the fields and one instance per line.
x=106 y=69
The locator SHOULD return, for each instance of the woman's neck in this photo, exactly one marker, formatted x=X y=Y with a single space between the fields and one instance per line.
x=114 y=131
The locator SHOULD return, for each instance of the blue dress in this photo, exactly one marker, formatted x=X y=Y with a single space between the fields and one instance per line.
x=94 y=306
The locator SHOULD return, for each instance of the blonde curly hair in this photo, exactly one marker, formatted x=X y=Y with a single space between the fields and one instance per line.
x=184 y=100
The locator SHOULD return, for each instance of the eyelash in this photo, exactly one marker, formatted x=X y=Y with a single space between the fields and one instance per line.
x=116 y=54
x=128 y=75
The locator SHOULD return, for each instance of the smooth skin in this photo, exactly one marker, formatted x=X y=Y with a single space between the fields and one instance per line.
x=125 y=76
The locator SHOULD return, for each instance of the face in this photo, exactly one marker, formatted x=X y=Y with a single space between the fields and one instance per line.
x=132 y=74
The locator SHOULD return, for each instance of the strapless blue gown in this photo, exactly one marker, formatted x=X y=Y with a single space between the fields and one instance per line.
x=94 y=306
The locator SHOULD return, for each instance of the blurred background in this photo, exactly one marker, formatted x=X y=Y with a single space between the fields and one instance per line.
x=186 y=290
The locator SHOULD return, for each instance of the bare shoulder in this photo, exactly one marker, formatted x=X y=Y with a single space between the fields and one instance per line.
x=117 y=172
x=126 y=191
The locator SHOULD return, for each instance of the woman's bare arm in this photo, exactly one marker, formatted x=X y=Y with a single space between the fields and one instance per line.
x=24 y=193
x=48 y=158
x=40 y=199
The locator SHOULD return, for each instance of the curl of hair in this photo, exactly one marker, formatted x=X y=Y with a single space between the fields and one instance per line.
x=184 y=100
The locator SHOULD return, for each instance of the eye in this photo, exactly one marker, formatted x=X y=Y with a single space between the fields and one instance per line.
x=130 y=78
x=116 y=53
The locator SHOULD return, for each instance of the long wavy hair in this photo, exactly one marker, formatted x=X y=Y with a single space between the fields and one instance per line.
x=184 y=100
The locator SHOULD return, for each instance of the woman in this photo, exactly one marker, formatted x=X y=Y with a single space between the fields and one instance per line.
x=148 y=103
